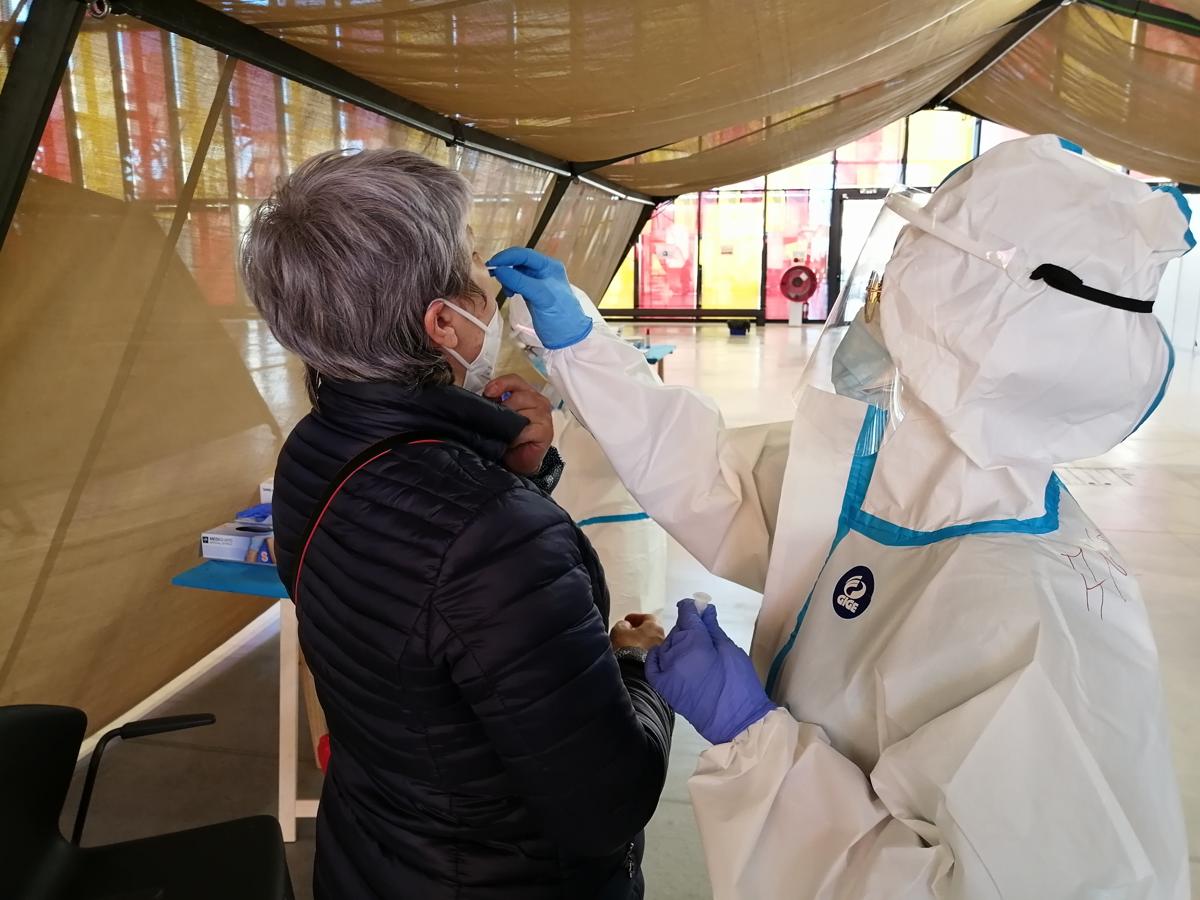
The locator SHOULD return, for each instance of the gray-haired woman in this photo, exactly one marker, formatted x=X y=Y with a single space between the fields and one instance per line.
x=487 y=741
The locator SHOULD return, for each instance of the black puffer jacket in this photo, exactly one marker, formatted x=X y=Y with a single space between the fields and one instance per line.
x=486 y=745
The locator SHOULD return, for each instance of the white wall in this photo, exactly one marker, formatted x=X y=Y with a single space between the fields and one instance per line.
x=1178 y=302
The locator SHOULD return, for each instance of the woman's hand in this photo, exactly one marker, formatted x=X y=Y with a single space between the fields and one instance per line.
x=641 y=630
x=527 y=451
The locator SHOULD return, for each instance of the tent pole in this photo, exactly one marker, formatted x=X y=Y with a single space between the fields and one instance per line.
x=558 y=190
x=205 y=25
x=1153 y=13
x=1023 y=26
x=29 y=90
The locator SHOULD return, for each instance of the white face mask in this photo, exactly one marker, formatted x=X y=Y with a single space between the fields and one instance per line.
x=483 y=369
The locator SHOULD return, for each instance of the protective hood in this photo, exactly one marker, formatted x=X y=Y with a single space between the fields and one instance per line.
x=1017 y=372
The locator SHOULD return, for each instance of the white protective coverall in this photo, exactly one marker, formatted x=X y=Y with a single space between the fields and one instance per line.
x=969 y=686
x=632 y=547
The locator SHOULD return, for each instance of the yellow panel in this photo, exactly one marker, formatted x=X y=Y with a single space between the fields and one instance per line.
x=10 y=11
x=309 y=123
x=96 y=114
x=731 y=245
x=938 y=142
x=620 y=292
x=196 y=71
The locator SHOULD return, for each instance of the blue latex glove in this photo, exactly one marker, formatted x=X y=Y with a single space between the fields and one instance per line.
x=558 y=318
x=706 y=677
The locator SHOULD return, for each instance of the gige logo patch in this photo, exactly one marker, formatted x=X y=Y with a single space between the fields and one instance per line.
x=853 y=593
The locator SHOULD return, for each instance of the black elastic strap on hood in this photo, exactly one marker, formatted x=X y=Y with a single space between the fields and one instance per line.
x=1069 y=283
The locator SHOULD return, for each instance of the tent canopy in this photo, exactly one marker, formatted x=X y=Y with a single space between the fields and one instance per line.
x=1127 y=90
x=690 y=95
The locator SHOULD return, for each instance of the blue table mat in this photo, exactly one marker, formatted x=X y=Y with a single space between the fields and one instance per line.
x=233 y=578
x=656 y=352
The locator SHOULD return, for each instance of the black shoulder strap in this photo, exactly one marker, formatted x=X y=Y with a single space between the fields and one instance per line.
x=345 y=473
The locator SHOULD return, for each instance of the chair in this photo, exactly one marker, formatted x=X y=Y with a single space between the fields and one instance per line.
x=238 y=860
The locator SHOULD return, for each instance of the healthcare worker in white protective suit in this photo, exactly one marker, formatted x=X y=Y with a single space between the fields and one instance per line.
x=963 y=691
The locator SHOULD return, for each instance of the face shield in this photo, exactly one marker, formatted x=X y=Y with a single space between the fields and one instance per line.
x=850 y=358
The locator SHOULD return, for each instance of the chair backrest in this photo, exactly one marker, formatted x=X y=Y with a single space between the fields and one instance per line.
x=38 y=749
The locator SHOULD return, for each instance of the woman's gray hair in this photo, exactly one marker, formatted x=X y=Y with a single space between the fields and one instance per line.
x=344 y=258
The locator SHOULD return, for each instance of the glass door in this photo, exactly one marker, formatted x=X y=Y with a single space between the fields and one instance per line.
x=854 y=212
x=797 y=235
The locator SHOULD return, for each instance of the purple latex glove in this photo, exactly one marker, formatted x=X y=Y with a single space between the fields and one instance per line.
x=706 y=677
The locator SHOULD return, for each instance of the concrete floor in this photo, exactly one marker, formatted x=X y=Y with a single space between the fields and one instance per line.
x=1145 y=495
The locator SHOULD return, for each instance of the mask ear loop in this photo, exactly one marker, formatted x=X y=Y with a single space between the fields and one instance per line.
x=470 y=317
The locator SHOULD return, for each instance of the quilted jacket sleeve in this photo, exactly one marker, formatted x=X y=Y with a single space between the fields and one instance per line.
x=513 y=616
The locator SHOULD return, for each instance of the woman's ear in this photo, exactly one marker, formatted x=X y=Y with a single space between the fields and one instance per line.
x=439 y=325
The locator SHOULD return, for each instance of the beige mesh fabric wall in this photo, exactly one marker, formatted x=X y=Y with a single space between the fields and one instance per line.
x=508 y=198
x=1126 y=90
x=588 y=232
x=147 y=399
x=134 y=423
